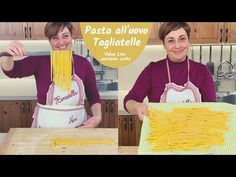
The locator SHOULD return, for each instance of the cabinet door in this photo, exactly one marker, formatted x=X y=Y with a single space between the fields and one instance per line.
x=123 y=130
x=87 y=108
x=230 y=32
x=29 y=111
x=22 y=30
x=11 y=116
x=77 y=34
x=137 y=129
x=129 y=130
x=1 y=119
x=131 y=126
x=105 y=113
x=206 y=32
x=134 y=130
x=11 y=30
x=113 y=113
x=109 y=114
x=36 y=30
x=154 y=35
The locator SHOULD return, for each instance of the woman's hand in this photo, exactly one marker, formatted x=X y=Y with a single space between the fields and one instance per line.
x=137 y=108
x=141 y=110
x=95 y=119
x=91 y=122
x=16 y=48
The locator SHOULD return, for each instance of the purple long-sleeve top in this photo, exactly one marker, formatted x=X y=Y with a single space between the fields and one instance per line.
x=39 y=66
x=151 y=82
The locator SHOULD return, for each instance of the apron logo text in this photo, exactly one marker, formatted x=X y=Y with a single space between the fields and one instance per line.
x=72 y=119
x=58 y=99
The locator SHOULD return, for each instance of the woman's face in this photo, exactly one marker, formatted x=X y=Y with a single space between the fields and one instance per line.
x=176 y=44
x=62 y=41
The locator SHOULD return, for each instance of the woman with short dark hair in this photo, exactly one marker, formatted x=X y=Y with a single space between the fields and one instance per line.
x=173 y=79
x=57 y=107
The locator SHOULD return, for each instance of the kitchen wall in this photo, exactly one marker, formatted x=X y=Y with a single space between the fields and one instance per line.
x=157 y=52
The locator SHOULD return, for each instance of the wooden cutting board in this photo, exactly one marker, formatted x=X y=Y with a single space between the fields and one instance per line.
x=61 y=141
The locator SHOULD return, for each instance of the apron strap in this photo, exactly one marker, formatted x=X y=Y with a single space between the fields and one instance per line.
x=188 y=68
x=73 y=67
x=168 y=69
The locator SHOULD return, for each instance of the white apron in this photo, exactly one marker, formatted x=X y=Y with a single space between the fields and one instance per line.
x=177 y=93
x=62 y=110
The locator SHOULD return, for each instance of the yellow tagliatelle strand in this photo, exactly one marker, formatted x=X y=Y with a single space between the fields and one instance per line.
x=186 y=129
x=61 y=69
x=79 y=142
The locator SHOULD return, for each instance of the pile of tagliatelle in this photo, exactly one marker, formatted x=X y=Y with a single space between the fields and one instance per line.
x=185 y=129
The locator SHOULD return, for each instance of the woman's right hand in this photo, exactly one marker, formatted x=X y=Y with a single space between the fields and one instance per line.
x=141 y=110
x=16 y=48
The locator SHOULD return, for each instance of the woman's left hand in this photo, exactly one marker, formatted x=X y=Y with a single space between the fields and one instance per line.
x=91 y=122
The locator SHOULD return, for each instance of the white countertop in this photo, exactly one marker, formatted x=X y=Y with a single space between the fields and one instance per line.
x=2 y=137
x=25 y=89
x=109 y=95
x=17 y=89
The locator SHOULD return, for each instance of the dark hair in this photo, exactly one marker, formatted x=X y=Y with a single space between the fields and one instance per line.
x=52 y=28
x=167 y=27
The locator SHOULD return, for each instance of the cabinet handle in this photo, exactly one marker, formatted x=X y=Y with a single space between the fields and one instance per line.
x=112 y=106
x=25 y=33
x=28 y=107
x=226 y=38
x=131 y=123
x=23 y=107
x=30 y=32
x=107 y=106
x=221 y=35
x=125 y=123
